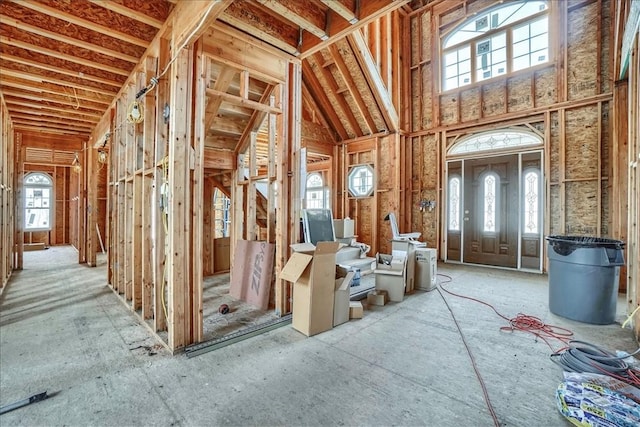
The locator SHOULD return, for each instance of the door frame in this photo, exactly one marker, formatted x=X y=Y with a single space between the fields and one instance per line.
x=541 y=207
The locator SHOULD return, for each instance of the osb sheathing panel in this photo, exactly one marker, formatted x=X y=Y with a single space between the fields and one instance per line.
x=61 y=63
x=581 y=146
x=76 y=80
x=452 y=16
x=581 y=208
x=545 y=82
x=605 y=135
x=65 y=48
x=415 y=99
x=493 y=102
x=556 y=211
x=64 y=28
x=426 y=37
x=470 y=104
x=582 y=53
x=429 y=162
x=385 y=203
x=332 y=98
x=99 y=15
x=605 y=209
x=415 y=42
x=362 y=210
x=53 y=88
x=262 y=20
x=449 y=109
x=427 y=96
x=605 y=38
x=519 y=93
x=386 y=165
x=69 y=98
x=554 y=148
x=361 y=83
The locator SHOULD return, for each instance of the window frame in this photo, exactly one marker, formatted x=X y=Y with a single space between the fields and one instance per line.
x=351 y=175
x=525 y=173
x=473 y=42
x=51 y=199
x=323 y=189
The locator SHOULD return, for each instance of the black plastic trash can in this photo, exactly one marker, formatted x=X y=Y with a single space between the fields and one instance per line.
x=584 y=274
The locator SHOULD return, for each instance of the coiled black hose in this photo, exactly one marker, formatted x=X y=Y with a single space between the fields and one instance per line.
x=582 y=356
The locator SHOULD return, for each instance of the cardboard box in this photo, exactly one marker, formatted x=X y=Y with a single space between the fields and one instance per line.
x=378 y=297
x=341 y=299
x=221 y=254
x=426 y=268
x=407 y=248
x=390 y=275
x=313 y=278
x=343 y=228
x=355 y=310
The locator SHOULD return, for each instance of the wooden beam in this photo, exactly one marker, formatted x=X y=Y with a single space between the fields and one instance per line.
x=372 y=75
x=340 y=100
x=44 y=98
x=352 y=88
x=236 y=100
x=304 y=14
x=21 y=26
x=50 y=89
x=222 y=83
x=192 y=18
x=51 y=108
x=49 y=125
x=129 y=13
x=52 y=119
x=370 y=10
x=40 y=78
x=338 y=7
x=219 y=159
x=262 y=35
x=75 y=59
x=42 y=66
x=43 y=129
x=318 y=94
x=84 y=23
x=254 y=122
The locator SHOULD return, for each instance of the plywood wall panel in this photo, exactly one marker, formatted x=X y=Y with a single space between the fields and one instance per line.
x=425 y=42
x=449 y=109
x=582 y=40
x=556 y=221
x=605 y=61
x=493 y=102
x=470 y=108
x=519 y=93
x=554 y=147
x=545 y=87
x=427 y=97
x=582 y=208
x=416 y=95
x=582 y=143
x=414 y=22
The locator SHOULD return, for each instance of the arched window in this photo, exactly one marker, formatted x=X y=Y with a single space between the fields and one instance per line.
x=495 y=140
x=501 y=40
x=531 y=202
x=316 y=195
x=490 y=185
x=221 y=207
x=37 y=202
x=454 y=203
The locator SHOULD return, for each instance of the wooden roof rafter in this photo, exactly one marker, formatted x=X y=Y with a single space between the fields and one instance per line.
x=339 y=99
x=48 y=88
x=317 y=92
x=84 y=23
x=304 y=14
x=40 y=78
x=48 y=98
x=350 y=84
x=120 y=8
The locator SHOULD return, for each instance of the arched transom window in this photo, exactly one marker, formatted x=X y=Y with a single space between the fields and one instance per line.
x=495 y=140
x=316 y=192
x=37 y=202
x=501 y=40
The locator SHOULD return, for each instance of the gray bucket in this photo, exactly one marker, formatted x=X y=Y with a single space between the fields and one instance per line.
x=584 y=274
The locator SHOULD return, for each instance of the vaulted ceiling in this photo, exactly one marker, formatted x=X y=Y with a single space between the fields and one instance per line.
x=64 y=61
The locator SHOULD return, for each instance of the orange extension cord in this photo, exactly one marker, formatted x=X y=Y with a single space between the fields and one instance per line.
x=521 y=322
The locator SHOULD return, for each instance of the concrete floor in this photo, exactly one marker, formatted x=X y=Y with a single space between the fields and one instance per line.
x=62 y=330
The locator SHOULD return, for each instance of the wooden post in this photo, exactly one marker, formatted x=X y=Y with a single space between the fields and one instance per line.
x=179 y=201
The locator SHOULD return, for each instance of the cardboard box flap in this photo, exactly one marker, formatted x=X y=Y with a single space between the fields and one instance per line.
x=303 y=247
x=345 y=283
x=296 y=265
x=327 y=248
